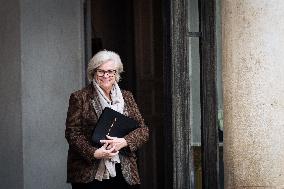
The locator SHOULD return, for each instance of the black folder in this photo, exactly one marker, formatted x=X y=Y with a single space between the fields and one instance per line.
x=114 y=124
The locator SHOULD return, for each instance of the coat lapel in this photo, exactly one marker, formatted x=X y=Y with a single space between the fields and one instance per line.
x=94 y=100
x=125 y=112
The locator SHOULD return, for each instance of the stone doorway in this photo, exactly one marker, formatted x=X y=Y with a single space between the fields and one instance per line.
x=134 y=29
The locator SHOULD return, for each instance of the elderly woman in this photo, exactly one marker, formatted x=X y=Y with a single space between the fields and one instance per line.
x=114 y=164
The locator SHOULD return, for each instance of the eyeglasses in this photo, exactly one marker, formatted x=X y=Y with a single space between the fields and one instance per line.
x=109 y=73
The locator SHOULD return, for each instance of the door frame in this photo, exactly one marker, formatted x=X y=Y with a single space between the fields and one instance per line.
x=208 y=71
x=178 y=161
x=177 y=102
x=178 y=152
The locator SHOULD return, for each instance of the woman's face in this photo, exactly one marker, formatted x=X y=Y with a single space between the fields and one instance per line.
x=105 y=75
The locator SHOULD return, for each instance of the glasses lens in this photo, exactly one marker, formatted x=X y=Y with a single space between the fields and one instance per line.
x=110 y=73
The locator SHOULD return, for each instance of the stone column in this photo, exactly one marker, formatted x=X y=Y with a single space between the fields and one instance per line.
x=253 y=76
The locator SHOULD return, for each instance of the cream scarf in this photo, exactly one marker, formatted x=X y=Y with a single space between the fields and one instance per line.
x=106 y=167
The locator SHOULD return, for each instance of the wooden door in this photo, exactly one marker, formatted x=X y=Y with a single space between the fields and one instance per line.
x=149 y=88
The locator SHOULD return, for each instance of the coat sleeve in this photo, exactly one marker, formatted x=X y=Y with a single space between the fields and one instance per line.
x=74 y=132
x=139 y=136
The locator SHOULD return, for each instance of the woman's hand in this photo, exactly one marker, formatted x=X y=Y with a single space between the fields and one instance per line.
x=105 y=152
x=115 y=142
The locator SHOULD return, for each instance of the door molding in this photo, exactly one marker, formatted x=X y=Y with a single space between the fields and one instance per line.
x=208 y=69
x=177 y=84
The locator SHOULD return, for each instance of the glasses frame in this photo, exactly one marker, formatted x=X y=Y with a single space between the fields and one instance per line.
x=101 y=73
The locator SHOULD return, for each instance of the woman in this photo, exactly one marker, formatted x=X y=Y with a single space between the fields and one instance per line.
x=114 y=164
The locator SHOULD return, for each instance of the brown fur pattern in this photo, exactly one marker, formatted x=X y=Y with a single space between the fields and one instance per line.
x=80 y=122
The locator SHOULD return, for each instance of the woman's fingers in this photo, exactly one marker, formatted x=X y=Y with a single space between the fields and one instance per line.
x=103 y=141
x=111 y=149
x=106 y=141
x=114 y=141
x=105 y=146
x=111 y=152
x=115 y=153
x=104 y=152
x=111 y=138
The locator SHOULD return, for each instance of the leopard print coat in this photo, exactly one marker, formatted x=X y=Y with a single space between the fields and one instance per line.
x=80 y=122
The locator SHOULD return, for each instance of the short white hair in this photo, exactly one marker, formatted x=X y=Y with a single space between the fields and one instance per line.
x=102 y=57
